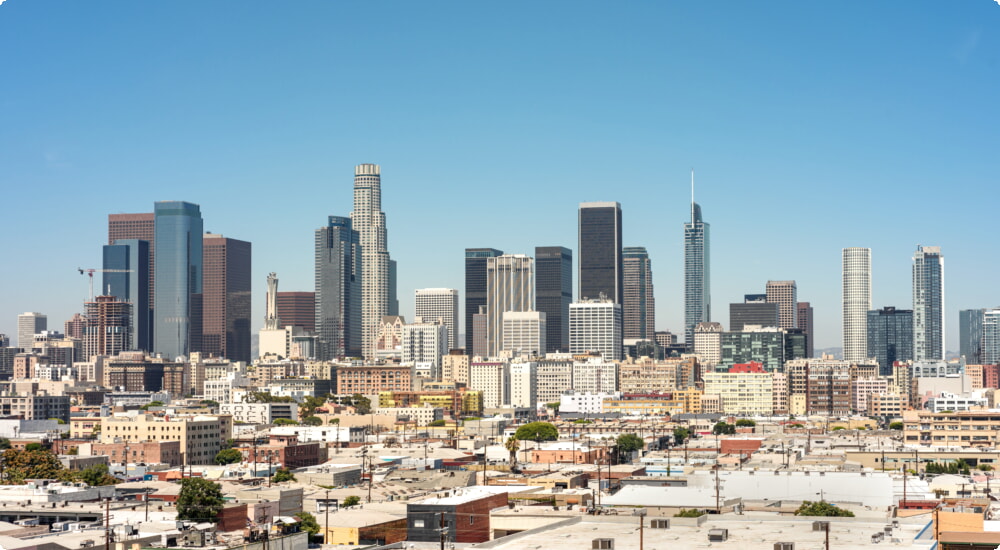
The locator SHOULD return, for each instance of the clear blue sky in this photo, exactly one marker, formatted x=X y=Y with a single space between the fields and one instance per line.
x=811 y=126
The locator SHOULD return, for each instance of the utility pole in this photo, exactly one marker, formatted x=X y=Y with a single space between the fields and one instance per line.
x=717 y=495
x=147 y=504
x=326 y=533
x=107 y=523
x=441 y=528
x=827 y=535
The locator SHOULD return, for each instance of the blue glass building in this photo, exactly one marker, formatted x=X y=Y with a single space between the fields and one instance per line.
x=126 y=277
x=177 y=316
x=338 y=289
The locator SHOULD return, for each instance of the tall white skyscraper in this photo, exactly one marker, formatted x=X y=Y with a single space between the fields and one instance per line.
x=432 y=304
x=857 y=300
x=510 y=286
x=928 y=304
x=369 y=221
x=596 y=326
x=28 y=325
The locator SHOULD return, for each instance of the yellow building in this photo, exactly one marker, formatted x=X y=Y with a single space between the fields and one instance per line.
x=748 y=393
x=797 y=404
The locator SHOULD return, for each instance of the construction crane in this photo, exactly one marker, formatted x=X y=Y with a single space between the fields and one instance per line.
x=90 y=273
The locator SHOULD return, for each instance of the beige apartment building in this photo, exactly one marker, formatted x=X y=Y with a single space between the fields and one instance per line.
x=964 y=428
x=201 y=437
x=743 y=392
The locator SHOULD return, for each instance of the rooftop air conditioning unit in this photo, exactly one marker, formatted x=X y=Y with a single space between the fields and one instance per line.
x=821 y=525
x=659 y=524
x=603 y=544
x=784 y=546
x=718 y=535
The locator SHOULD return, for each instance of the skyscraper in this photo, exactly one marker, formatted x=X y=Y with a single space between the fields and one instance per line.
x=595 y=326
x=857 y=300
x=697 y=273
x=28 y=325
x=226 y=299
x=296 y=308
x=433 y=304
x=970 y=335
x=524 y=333
x=510 y=284
x=74 y=326
x=639 y=305
x=108 y=329
x=600 y=251
x=554 y=293
x=755 y=310
x=369 y=221
x=475 y=287
x=890 y=337
x=991 y=336
x=785 y=294
x=177 y=316
x=142 y=227
x=126 y=277
x=928 y=304
x=805 y=322
x=338 y=290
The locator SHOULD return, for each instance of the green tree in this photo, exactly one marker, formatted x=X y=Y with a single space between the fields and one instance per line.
x=200 y=500
x=723 y=428
x=554 y=406
x=984 y=468
x=309 y=405
x=151 y=404
x=690 y=513
x=352 y=500
x=59 y=421
x=361 y=404
x=745 y=423
x=435 y=423
x=312 y=421
x=96 y=475
x=4 y=443
x=540 y=431
x=628 y=444
x=210 y=404
x=681 y=435
x=837 y=428
x=282 y=474
x=33 y=447
x=284 y=422
x=334 y=421
x=822 y=508
x=895 y=425
x=228 y=456
x=307 y=523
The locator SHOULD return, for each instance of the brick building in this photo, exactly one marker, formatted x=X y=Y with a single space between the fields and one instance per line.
x=165 y=452
x=465 y=516
x=370 y=380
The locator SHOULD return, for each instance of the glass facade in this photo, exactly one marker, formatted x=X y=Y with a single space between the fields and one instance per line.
x=928 y=303
x=970 y=335
x=338 y=290
x=554 y=293
x=475 y=286
x=697 y=275
x=126 y=277
x=177 y=316
x=600 y=251
x=890 y=337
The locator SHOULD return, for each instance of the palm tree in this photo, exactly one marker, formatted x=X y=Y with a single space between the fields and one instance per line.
x=512 y=445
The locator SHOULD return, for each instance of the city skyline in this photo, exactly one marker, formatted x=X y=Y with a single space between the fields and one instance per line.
x=867 y=142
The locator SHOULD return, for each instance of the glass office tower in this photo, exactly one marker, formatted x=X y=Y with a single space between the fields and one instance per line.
x=177 y=317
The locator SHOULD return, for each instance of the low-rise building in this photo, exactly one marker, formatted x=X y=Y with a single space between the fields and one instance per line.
x=259 y=413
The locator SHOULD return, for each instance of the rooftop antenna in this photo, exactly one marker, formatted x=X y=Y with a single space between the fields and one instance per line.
x=692 y=185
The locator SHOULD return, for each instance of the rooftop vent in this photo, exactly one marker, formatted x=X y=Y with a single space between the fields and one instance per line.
x=718 y=535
